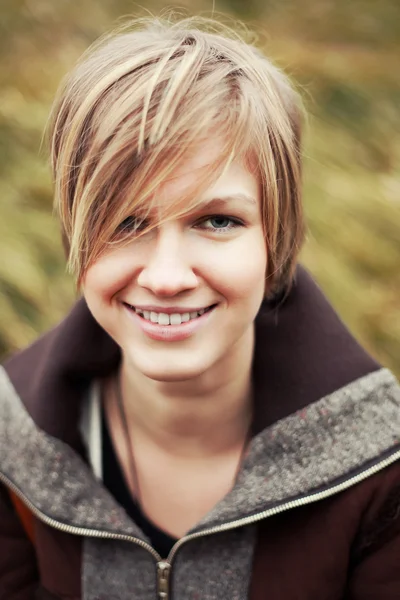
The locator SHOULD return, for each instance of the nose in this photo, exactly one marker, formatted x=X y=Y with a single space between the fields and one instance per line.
x=167 y=270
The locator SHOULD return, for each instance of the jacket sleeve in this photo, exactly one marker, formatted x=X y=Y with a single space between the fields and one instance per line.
x=375 y=570
x=18 y=568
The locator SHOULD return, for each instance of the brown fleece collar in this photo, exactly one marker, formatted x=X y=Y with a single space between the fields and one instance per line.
x=303 y=352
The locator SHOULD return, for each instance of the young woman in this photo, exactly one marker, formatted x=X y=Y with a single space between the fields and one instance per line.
x=202 y=425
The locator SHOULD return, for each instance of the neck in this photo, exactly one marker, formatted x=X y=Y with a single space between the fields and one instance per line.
x=197 y=418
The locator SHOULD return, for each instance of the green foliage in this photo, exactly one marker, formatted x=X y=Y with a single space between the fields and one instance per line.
x=344 y=56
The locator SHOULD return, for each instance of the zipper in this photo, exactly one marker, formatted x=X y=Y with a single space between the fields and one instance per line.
x=164 y=567
x=163 y=573
x=72 y=528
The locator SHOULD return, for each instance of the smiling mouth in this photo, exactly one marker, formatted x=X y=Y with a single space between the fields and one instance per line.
x=160 y=318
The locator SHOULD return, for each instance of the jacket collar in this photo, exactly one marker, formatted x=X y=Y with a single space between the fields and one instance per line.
x=303 y=353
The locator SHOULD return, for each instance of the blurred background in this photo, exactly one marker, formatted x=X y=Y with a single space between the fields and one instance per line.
x=344 y=58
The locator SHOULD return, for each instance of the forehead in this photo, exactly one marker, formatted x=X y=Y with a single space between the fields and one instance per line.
x=237 y=183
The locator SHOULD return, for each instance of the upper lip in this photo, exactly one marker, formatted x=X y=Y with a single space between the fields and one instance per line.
x=169 y=310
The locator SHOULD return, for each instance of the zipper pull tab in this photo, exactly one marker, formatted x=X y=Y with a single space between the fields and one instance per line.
x=163 y=573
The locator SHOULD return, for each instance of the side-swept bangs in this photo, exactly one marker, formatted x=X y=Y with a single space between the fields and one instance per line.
x=140 y=101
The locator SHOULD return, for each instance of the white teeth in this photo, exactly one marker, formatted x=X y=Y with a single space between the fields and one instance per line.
x=175 y=319
x=163 y=319
x=167 y=319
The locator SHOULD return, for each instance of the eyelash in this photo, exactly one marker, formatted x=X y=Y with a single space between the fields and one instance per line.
x=127 y=225
x=124 y=227
x=234 y=223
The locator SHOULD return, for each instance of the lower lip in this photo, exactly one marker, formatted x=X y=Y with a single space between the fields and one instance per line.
x=170 y=333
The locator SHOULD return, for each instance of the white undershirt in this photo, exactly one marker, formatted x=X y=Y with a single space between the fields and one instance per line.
x=90 y=428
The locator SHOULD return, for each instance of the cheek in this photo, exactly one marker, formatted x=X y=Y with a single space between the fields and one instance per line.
x=108 y=276
x=238 y=271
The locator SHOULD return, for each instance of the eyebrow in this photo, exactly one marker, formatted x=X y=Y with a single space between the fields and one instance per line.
x=225 y=200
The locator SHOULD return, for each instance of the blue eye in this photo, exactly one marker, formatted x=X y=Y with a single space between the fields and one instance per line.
x=220 y=223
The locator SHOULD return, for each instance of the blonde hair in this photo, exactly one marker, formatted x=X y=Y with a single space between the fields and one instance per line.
x=140 y=100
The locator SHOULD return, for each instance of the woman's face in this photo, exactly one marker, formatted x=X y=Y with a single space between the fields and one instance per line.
x=150 y=294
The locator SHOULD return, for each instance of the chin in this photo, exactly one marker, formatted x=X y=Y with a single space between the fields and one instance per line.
x=169 y=371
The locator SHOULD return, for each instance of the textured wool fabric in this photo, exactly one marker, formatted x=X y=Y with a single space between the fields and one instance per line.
x=331 y=440
x=303 y=453
x=216 y=567
x=50 y=474
x=316 y=447
x=114 y=570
